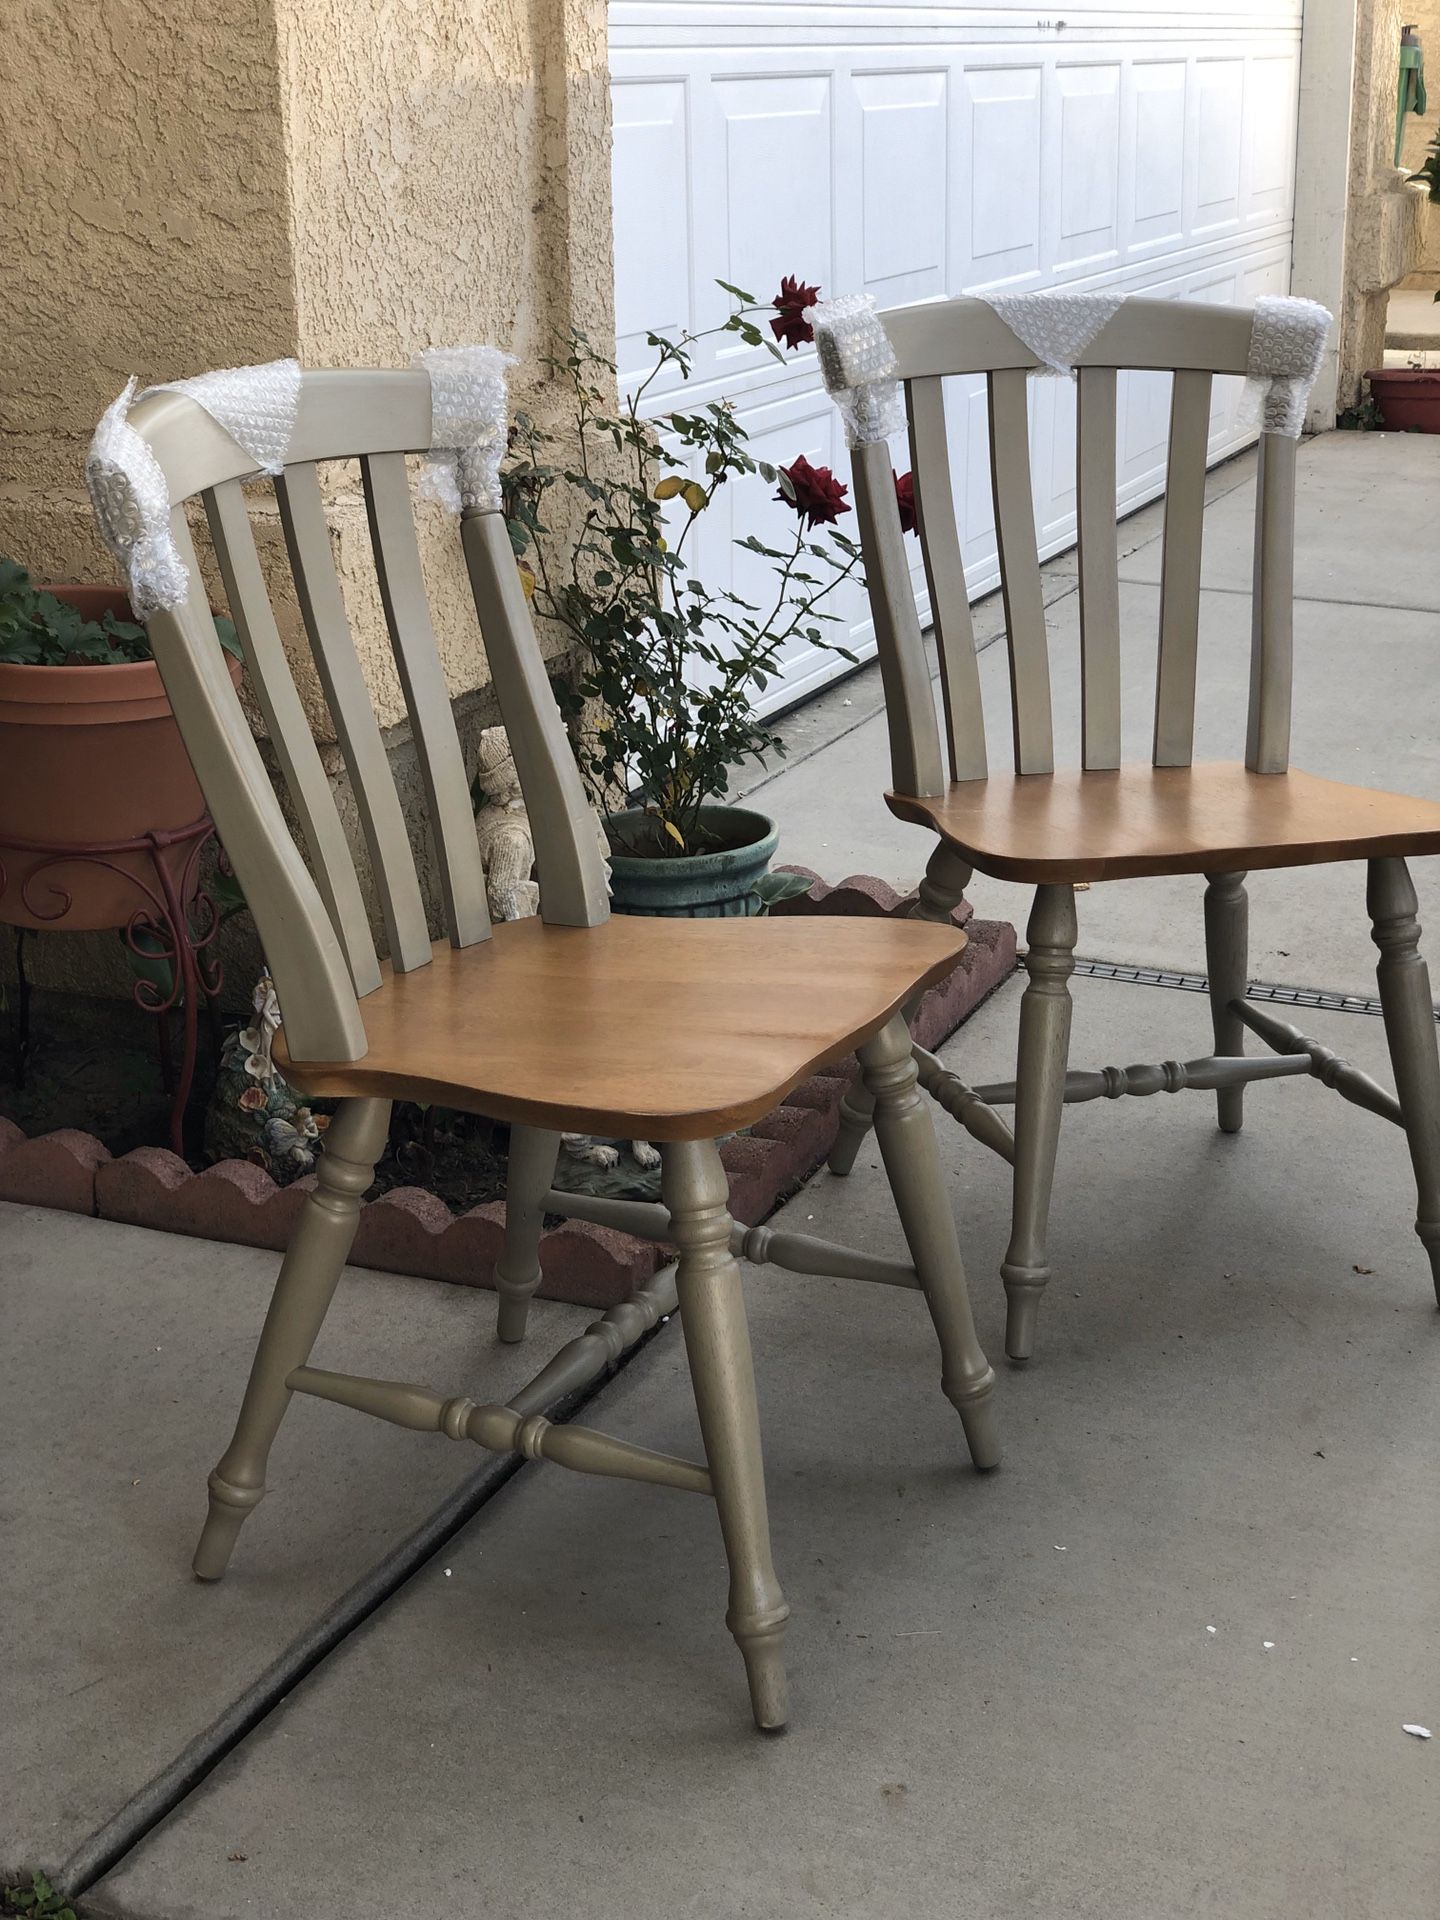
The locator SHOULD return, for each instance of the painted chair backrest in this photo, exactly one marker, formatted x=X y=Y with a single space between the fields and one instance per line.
x=311 y=917
x=1194 y=341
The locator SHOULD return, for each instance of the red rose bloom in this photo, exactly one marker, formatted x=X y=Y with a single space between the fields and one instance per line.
x=790 y=325
x=819 y=496
x=905 y=499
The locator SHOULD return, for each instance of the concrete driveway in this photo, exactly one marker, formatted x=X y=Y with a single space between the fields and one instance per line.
x=1158 y=1666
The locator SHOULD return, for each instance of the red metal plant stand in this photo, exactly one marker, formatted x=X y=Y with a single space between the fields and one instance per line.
x=170 y=931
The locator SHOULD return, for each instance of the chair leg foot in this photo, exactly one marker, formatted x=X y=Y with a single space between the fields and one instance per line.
x=977 y=1417
x=906 y=1134
x=717 y=1344
x=856 y=1116
x=1227 y=963
x=1410 y=1031
x=529 y=1176
x=765 y=1676
x=229 y=1509
x=1022 y=1312
x=309 y=1275
x=1045 y=1011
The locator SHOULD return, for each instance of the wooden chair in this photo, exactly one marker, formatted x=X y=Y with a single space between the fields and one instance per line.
x=674 y=1031
x=1054 y=827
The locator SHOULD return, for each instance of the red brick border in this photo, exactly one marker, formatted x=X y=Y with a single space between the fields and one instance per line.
x=412 y=1231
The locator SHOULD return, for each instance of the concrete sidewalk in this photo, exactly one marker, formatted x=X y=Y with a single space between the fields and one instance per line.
x=1008 y=1700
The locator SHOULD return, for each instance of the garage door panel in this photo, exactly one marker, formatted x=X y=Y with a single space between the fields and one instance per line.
x=1052 y=440
x=1156 y=154
x=1271 y=85
x=919 y=151
x=651 y=173
x=778 y=178
x=1002 y=142
x=804 y=425
x=1219 y=116
x=904 y=143
x=1085 y=150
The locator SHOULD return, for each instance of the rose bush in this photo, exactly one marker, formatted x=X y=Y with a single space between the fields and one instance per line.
x=602 y=512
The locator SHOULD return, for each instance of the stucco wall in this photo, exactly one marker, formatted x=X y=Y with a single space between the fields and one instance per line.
x=145 y=205
x=344 y=180
x=448 y=181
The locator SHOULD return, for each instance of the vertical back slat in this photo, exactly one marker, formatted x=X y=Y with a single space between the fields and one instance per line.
x=309 y=965
x=573 y=883
x=1272 y=612
x=432 y=723
x=1180 y=569
x=1099 y=568
x=322 y=605
x=1020 y=573
x=289 y=730
x=945 y=575
x=915 y=764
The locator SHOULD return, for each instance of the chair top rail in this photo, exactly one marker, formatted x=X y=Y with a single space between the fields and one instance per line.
x=342 y=414
x=1164 y=336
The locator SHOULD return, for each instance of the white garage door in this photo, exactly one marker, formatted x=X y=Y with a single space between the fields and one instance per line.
x=923 y=149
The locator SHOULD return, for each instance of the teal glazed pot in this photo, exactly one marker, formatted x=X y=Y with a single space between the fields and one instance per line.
x=718 y=885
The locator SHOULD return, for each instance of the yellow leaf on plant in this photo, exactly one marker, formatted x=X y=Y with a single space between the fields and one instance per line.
x=669 y=486
x=527 y=579
x=695 y=496
x=674 y=832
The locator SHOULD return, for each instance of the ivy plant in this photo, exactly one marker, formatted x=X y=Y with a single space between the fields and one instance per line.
x=38 y=1901
x=1430 y=174
x=37 y=630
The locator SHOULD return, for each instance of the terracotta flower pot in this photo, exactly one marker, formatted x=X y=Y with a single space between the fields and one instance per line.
x=87 y=754
x=1408 y=398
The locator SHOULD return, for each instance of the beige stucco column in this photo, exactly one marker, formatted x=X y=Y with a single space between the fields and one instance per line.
x=343 y=180
x=186 y=187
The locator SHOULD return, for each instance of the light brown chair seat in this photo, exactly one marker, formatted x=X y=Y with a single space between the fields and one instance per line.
x=1131 y=821
x=656 y=1029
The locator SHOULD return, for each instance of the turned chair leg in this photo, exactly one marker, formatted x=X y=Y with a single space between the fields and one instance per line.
x=717 y=1343
x=906 y=1134
x=1410 y=1030
x=1045 y=1009
x=309 y=1274
x=940 y=892
x=857 y=1116
x=529 y=1176
x=1227 y=962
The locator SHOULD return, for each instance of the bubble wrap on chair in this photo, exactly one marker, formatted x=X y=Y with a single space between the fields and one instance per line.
x=859 y=367
x=1287 y=346
x=128 y=492
x=470 y=407
x=1056 y=326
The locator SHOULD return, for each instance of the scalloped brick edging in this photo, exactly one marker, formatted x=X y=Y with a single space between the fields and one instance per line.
x=412 y=1231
